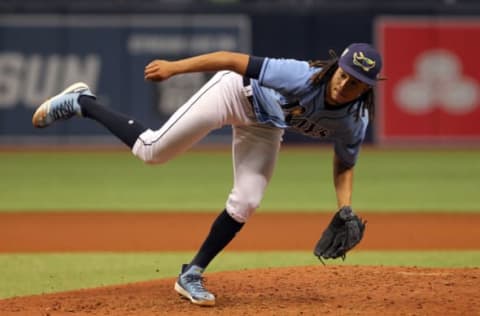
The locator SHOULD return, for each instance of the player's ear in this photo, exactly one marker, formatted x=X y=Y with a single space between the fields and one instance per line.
x=365 y=89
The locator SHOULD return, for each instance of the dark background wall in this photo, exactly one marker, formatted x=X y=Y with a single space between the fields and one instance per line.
x=295 y=29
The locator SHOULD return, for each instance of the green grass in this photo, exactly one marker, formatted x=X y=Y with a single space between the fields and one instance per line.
x=26 y=274
x=384 y=181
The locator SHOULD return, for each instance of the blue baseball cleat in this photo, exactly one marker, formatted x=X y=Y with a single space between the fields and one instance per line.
x=190 y=285
x=62 y=106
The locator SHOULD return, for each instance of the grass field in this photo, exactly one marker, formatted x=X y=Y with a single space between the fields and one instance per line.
x=386 y=181
x=24 y=274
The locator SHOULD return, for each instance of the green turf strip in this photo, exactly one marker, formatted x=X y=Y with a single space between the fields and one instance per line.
x=25 y=274
x=384 y=181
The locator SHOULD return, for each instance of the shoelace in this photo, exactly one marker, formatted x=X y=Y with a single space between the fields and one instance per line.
x=196 y=282
x=64 y=110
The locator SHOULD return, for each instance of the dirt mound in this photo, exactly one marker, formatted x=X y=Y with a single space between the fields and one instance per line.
x=313 y=290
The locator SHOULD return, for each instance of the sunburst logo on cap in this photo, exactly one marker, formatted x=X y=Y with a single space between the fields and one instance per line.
x=360 y=60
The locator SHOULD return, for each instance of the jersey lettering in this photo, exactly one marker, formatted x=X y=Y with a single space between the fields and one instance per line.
x=295 y=118
x=307 y=127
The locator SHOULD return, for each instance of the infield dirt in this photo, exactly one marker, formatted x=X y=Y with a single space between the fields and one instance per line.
x=314 y=290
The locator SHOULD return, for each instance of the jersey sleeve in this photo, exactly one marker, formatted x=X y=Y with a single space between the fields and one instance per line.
x=347 y=148
x=254 y=67
x=348 y=153
x=287 y=76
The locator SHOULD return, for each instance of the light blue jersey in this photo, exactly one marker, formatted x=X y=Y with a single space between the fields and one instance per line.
x=284 y=96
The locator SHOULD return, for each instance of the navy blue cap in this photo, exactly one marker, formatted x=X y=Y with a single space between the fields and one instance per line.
x=361 y=61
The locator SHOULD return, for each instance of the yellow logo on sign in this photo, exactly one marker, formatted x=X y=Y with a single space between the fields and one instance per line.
x=363 y=62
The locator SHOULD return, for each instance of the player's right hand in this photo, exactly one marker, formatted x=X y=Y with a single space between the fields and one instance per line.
x=158 y=70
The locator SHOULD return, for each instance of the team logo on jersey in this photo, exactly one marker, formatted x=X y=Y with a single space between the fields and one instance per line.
x=360 y=60
x=296 y=111
x=293 y=112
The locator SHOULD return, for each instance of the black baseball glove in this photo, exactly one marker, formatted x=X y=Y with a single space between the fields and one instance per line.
x=343 y=233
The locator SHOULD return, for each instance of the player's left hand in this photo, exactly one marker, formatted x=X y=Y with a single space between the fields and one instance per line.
x=159 y=70
x=344 y=232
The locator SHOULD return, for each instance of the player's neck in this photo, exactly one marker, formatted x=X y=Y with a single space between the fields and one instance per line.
x=331 y=104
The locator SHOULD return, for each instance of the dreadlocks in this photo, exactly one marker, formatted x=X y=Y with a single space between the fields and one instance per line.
x=328 y=68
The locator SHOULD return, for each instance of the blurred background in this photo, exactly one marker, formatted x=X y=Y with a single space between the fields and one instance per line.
x=431 y=95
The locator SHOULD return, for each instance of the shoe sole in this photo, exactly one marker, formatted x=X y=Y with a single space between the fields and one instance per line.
x=180 y=290
x=41 y=112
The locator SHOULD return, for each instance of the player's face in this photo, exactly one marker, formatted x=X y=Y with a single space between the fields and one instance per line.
x=344 y=88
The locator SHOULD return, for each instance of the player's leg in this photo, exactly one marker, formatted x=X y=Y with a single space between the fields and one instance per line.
x=208 y=109
x=78 y=100
x=219 y=102
x=255 y=150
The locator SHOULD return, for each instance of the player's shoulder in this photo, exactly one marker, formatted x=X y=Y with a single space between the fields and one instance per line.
x=291 y=65
x=287 y=61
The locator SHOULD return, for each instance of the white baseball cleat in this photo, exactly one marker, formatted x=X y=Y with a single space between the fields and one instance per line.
x=190 y=285
x=62 y=106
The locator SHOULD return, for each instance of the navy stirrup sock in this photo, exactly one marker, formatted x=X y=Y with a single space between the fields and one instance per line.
x=122 y=126
x=224 y=228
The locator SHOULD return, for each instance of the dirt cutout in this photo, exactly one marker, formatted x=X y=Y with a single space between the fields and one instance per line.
x=313 y=290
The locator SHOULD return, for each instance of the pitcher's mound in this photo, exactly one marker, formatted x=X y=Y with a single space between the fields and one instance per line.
x=313 y=290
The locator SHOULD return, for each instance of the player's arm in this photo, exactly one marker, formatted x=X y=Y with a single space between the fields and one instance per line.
x=159 y=70
x=343 y=181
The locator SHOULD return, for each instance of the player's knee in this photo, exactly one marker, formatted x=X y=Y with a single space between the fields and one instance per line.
x=242 y=208
x=149 y=150
x=143 y=154
x=146 y=154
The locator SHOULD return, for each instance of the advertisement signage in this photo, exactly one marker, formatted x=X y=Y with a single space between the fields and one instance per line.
x=432 y=91
x=42 y=54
